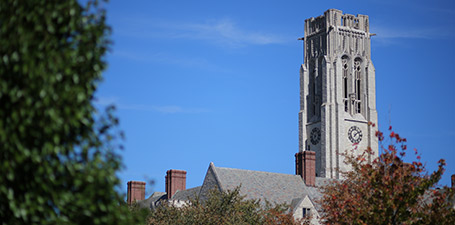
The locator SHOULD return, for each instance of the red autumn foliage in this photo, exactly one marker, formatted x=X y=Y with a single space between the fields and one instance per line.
x=387 y=190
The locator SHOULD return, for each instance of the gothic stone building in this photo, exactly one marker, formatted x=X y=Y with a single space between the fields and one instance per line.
x=337 y=100
x=337 y=90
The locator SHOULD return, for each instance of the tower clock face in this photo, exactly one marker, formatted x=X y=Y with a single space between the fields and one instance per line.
x=355 y=134
x=315 y=136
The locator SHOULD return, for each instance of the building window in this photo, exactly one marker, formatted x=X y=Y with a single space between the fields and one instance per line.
x=358 y=87
x=345 y=82
x=306 y=212
x=315 y=88
x=314 y=93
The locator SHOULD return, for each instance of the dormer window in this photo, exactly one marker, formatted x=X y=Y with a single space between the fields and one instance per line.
x=306 y=212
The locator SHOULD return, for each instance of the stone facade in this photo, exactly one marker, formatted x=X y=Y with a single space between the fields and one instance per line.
x=337 y=90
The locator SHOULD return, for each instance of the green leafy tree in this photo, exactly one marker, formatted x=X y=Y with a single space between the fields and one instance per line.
x=58 y=156
x=388 y=190
x=222 y=208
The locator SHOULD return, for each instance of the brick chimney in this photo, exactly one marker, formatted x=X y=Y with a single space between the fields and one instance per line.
x=305 y=166
x=136 y=191
x=175 y=180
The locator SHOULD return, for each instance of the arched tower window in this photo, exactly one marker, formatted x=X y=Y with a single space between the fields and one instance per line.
x=345 y=68
x=312 y=88
x=318 y=85
x=315 y=89
x=357 y=85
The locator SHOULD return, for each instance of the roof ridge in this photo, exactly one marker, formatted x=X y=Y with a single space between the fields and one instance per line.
x=257 y=171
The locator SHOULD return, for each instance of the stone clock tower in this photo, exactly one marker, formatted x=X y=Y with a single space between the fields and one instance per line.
x=337 y=90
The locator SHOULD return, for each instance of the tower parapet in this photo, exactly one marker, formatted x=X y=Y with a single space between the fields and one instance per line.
x=352 y=31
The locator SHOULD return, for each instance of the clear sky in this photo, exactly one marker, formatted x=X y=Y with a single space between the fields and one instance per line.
x=196 y=82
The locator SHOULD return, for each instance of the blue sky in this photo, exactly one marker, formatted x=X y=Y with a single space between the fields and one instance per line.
x=196 y=82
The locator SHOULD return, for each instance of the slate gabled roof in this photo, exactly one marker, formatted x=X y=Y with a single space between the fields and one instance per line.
x=315 y=193
x=187 y=194
x=275 y=187
x=152 y=200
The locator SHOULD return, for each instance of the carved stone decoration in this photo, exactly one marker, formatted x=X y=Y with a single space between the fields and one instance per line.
x=315 y=136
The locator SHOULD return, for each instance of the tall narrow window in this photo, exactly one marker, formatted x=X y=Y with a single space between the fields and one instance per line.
x=358 y=93
x=345 y=83
x=312 y=86
x=315 y=91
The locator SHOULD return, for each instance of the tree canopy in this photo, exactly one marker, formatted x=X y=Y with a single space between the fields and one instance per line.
x=223 y=208
x=58 y=154
x=387 y=190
